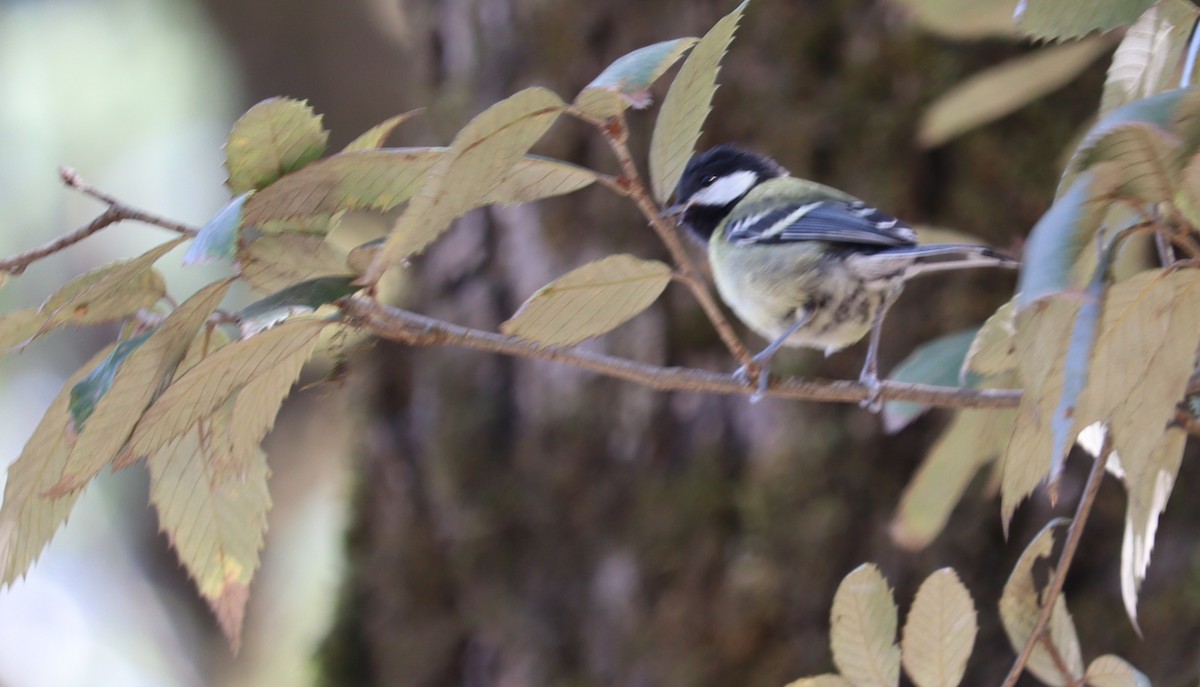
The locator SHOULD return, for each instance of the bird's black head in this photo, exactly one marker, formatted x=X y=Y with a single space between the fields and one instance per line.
x=714 y=181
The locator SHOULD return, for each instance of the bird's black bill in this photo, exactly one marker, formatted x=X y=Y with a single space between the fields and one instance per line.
x=674 y=211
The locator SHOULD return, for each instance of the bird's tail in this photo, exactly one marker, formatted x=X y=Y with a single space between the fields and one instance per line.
x=939 y=257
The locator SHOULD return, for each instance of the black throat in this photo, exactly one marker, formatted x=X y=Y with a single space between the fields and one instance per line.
x=702 y=220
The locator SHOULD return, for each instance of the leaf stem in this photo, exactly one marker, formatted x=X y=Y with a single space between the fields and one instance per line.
x=1054 y=589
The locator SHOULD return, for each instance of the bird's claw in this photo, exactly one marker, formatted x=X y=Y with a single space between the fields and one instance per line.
x=873 y=402
x=742 y=375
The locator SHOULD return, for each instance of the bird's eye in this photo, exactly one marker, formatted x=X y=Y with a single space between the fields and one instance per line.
x=708 y=180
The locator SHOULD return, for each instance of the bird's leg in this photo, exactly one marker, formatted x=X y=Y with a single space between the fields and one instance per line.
x=869 y=377
x=763 y=360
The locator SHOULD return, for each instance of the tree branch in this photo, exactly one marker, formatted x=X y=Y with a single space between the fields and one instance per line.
x=116 y=212
x=413 y=329
x=1074 y=533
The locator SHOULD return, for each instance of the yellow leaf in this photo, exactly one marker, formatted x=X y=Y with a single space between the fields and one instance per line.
x=1040 y=347
x=1113 y=671
x=533 y=178
x=1149 y=484
x=1020 y=605
x=478 y=161
x=994 y=349
x=18 y=327
x=1147 y=60
x=939 y=632
x=1187 y=196
x=589 y=300
x=993 y=93
x=1148 y=335
x=687 y=105
x=863 y=630
x=136 y=384
x=28 y=518
x=366 y=180
x=1143 y=155
x=214 y=520
x=973 y=439
x=273 y=138
x=373 y=138
x=275 y=262
x=108 y=293
x=821 y=681
x=212 y=381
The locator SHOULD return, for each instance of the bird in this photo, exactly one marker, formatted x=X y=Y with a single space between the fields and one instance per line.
x=803 y=264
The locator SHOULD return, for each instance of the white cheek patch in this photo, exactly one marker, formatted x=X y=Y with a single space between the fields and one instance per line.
x=725 y=190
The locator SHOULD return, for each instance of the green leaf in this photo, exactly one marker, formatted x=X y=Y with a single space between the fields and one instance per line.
x=218 y=239
x=1052 y=19
x=478 y=160
x=589 y=301
x=687 y=105
x=28 y=519
x=939 y=632
x=200 y=391
x=1147 y=60
x=373 y=138
x=1063 y=233
x=1020 y=606
x=627 y=81
x=936 y=362
x=1113 y=671
x=963 y=20
x=271 y=263
x=993 y=352
x=995 y=92
x=862 y=630
x=1040 y=348
x=273 y=138
x=298 y=299
x=88 y=392
x=136 y=384
x=108 y=293
x=215 y=522
x=973 y=439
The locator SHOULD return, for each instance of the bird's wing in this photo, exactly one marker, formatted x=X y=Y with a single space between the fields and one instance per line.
x=835 y=221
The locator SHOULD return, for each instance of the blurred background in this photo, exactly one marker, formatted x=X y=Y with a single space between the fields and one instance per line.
x=454 y=518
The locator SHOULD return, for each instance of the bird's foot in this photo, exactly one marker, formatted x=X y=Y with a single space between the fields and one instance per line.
x=742 y=374
x=872 y=402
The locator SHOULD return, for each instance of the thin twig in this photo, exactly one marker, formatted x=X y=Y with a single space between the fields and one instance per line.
x=72 y=179
x=632 y=186
x=417 y=330
x=116 y=212
x=1074 y=533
